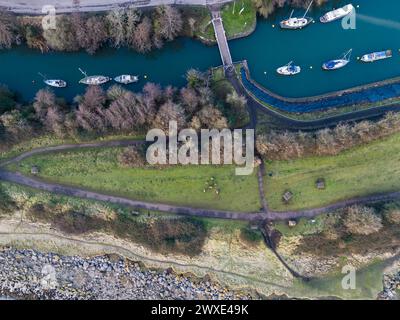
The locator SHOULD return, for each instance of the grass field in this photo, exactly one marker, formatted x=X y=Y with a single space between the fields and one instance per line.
x=239 y=17
x=181 y=185
x=370 y=169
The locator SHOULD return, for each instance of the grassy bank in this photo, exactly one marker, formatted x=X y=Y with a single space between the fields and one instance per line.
x=181 y=185
x=370 y=169
x=239 y=18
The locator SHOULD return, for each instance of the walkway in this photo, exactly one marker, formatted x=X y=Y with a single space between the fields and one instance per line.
x=221 y=38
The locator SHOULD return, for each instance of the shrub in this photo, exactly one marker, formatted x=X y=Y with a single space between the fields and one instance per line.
x=132 y=157
x=362 y=220
x=250 y=236
x=392 y=213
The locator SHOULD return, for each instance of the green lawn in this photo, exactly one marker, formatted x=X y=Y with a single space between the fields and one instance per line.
x=370 y=169
x=239 y=17
x=98 y=169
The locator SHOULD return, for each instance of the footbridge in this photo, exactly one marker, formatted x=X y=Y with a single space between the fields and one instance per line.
x=222 y=41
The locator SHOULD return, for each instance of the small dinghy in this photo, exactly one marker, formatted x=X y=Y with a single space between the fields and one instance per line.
x=376 y=56
x=338 y=63
x=294 y=23
x=289 y=70
x=126 y=79
x=93 y=80
x=56 y=83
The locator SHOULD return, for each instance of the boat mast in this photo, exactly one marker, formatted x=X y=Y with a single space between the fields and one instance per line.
x=308 y=9
x=347 y=55
x=291 y=14
x=83 y=72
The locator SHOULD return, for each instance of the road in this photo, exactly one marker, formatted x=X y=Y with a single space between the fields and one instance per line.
x=65 y=6
x=270 y=215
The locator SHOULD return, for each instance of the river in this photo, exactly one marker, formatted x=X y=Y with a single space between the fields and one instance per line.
x=265 y=50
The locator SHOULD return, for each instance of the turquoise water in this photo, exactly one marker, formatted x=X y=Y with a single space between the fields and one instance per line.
x=377 y=28
x=265 y=50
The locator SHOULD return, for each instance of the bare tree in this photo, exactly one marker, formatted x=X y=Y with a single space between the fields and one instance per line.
x=116 y=21
x=7 y=30
x=168 y=22
x=141 y=39
x=91 y=112
x=169 y=111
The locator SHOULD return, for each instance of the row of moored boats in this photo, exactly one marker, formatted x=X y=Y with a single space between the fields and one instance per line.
x=299 y=23
x=92 y=80
x=294 y=23
x=291 y=69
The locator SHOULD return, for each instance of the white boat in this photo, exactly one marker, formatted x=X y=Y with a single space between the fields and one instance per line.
x=337 y=14
x=126 y=79
x=56 y=83
x=289 y=70
x=338 y=63
x=93 y=80
x=294 y=23
x=375 y=56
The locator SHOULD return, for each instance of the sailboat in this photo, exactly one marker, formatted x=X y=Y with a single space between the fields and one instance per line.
x=294 y=23
x=56 y=83
x=93 y=80
x=289 y=70
x=126 y=79
x=338 y=63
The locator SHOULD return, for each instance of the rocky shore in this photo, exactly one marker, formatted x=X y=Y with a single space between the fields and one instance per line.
x=29 y=274
x=391 y=284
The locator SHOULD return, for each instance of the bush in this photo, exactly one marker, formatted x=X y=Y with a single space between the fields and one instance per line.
x=392 y=213
x=250 y=236
x=362 y=220
x=180 y=235
x=133 y=157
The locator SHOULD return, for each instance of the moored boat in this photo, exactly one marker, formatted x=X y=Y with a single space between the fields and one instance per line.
x=126 y=79
x=337 y=14
x=289 y=70
x=93 y=80
x=56 y=83
x=375 y=56
x=338 y=63
x=294 y=23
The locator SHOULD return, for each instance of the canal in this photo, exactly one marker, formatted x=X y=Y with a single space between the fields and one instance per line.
x=265 y=50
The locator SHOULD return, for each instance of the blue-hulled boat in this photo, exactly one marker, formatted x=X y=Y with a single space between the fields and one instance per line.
x=338 y=63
